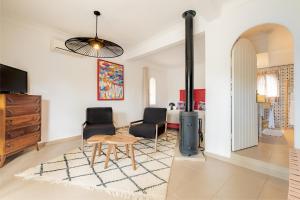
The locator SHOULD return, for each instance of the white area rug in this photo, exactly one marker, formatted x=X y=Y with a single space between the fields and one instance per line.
x=149 y=181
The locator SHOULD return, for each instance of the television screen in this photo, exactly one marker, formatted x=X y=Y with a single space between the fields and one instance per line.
x=12 y=80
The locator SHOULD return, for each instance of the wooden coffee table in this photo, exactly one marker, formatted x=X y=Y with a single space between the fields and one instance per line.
x=97 y=141
x=121 y=139
x=113 y=141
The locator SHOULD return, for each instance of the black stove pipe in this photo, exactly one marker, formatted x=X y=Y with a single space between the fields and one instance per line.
x=188 y=129
x=189 y=59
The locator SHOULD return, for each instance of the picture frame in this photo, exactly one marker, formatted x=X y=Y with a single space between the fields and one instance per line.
x=110 y=81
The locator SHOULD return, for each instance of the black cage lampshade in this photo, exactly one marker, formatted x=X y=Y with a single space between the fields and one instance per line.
x=94 y=47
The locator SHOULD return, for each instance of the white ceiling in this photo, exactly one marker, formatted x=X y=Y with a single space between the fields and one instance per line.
x=174 y=57
x=126 y=22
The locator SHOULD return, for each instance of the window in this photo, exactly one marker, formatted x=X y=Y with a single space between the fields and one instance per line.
x=152 y=91
x=268 y=85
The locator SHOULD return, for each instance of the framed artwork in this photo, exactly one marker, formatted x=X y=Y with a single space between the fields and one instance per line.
x=110 y=80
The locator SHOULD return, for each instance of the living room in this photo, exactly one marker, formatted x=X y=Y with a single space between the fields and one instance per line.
x=32 y=39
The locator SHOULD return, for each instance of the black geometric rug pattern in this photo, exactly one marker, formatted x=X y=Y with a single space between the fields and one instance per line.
x=148 y=181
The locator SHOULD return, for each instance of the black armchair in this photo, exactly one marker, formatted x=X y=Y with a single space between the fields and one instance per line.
x=99 y=121
x=152 y=125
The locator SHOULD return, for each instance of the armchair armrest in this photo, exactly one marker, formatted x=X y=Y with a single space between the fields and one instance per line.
x=84 y=124
x=161 y=123
x=135 y=122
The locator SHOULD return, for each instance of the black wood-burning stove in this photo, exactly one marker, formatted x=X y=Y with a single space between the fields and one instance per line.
x=189 y=137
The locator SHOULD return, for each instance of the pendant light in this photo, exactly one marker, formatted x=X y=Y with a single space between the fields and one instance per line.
x=94 y=47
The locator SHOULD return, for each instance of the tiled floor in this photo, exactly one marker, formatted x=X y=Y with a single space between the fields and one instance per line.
x=190 y=180
x=214 y=179
x=272 y=149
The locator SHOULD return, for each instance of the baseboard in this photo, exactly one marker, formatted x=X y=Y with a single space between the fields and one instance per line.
x=122 y=127
x=255 y=165
x=58 y=141
x=77 y=137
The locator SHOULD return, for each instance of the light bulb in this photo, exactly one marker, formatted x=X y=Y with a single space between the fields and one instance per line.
x=96 y=46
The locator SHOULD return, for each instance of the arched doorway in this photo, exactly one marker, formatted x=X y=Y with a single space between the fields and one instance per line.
x=262 y=93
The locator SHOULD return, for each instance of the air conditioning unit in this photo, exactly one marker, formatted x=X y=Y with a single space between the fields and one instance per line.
x=59 y=46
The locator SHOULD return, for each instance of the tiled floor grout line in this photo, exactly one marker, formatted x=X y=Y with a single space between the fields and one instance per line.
x=263 y=186
x=221 y=187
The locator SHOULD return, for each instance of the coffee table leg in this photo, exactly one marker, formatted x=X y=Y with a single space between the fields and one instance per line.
x=127 y=150
x=132 y=157
x=115 y=152
x=107 y=155
x=94 y=154
x=99 y=149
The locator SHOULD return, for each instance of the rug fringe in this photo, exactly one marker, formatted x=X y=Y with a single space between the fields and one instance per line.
x=124 y=195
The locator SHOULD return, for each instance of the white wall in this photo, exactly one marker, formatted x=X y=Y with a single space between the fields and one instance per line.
x=67 y=83
x=176 y=81
x=220 y=37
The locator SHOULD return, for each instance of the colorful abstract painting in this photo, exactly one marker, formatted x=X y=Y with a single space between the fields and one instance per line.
x=110 y=81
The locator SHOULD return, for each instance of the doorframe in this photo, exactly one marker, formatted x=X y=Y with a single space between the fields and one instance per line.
x=231 y=82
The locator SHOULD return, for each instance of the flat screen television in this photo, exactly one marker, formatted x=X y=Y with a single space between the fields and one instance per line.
x=12 y=80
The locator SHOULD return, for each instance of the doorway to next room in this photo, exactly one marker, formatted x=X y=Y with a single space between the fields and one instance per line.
x=263 y=94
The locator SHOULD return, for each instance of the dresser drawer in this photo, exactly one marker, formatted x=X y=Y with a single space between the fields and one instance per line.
x=22 y=110
x=10 y=134
x=13 y=123
x=21 y=100
x=21 y=142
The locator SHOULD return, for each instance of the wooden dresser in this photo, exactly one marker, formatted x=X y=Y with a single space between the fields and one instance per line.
x=20 y=123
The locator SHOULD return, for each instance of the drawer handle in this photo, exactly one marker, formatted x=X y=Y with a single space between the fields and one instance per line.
x=36 y=118
x=36 y=129
x=8 y=145
x=37 y=100
x=10 y=112
x=9 y=100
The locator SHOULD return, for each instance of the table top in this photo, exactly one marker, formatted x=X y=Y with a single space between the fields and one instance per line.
x=113 y=139
x=97 y=138
x=122 y=139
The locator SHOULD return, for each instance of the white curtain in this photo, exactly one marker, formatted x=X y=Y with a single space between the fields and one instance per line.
x=268 y=84
x=272 y=85
x=261 y=84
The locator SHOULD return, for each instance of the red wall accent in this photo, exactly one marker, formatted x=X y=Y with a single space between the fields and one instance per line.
x=199 y=95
